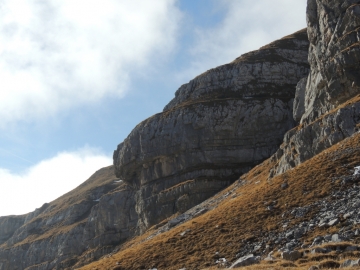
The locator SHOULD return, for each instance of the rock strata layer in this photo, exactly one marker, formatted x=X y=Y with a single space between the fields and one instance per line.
x=218 y=126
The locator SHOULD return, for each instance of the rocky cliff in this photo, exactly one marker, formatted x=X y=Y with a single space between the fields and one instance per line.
x=305 y=213
x=327 y=105
x=89 y=220
x=218 y=126
x=333 y=30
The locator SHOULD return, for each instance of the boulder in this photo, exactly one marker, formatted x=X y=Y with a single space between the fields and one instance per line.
x=291 y=255
x=245 y=261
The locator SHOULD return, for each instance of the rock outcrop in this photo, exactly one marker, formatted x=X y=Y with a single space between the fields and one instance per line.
x=89 y=221
x=334 y=55
x=329 y=104
x=218 y=126
x=8 y=225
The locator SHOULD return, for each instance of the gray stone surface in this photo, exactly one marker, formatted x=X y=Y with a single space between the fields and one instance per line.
x=245 y=261
x=334 y=55
x=333 y=29
x=103 y=217
x=299 y=100
x=304 y=142
x=218 y=126
x=8 y=225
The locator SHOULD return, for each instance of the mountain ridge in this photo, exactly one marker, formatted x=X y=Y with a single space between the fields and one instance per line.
x=230 y=174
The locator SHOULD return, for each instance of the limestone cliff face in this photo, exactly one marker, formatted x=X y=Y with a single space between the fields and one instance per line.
x=334 y=54
x=217 y=127
x=78 y=227
x=8 y=225
x=333 y=29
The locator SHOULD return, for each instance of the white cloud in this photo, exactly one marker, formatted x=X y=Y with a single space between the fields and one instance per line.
x=47 y=180
x=247 y=25
x=57 y=54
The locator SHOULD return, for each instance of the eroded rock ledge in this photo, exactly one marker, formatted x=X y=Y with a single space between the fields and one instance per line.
x=217 y=127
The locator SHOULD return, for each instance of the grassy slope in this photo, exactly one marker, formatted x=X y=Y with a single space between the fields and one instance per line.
x=239 y=217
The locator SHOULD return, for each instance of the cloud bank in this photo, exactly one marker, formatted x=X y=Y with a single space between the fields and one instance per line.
x=57 y=54
x=47 y=180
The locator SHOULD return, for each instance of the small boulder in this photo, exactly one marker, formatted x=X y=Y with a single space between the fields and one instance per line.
x=333 y=222
x=336 y=238
x=355 y=263
x=291 y=255
x=346 y=263
x=245 y=261
x=284 y=185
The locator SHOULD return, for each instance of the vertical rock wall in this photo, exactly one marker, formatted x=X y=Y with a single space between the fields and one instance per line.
x=334 y=79
x=334 y=55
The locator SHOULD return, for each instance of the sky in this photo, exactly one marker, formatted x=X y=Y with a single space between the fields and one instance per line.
x=76 y=76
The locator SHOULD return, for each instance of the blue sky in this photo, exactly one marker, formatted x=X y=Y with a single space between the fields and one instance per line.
x=78 y=75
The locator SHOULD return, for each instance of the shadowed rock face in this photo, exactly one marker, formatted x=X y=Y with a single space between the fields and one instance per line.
x=217 y=127
x=334 y=55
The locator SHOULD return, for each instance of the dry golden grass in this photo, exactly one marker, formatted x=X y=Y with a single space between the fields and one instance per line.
x=240 y=219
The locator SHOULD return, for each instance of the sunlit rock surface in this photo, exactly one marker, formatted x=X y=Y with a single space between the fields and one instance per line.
x=334 y=57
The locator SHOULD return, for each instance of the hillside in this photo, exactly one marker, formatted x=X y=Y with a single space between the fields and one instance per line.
x=252 y=164
x=256 y=215
x=170 y=162
x=302 y=203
